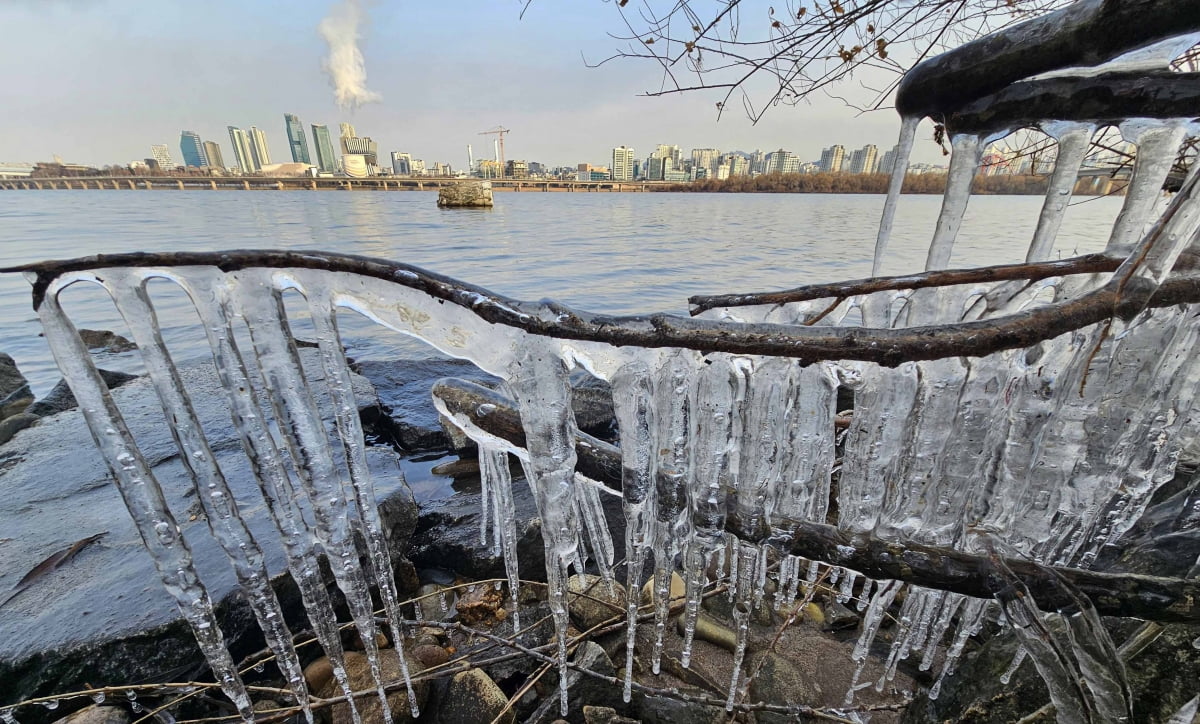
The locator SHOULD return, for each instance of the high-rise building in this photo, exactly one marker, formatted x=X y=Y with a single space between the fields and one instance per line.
x=212 y=151
x=162 y=156
x=865 y=159
x=258 y=145
x=831 y=159
x=622 y=164
x=365 y=147
x=782 y=161
x=296 y=140
x=323 y=145
x=706 y=158
x=889 y=160
x=401 y=163
x=346 y=130
x=192 y=149
x=241 y=150
x=758 y=163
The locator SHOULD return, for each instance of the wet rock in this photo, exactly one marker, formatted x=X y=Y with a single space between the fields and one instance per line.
x=61 y=398
x=105 y=617
x=16 y=402
x=10 y=426
x=601 y=602
x=435 y=605
x=318 y=674
x=102 y=340
x=778 y=680
x=591 y=400
x=661 y=710
x=678 y=590
x=473 y=698
x=582 y=689
x=481 y=604
x=604 y=715
x=404 y=388
x=359 y=673
x=430 y=655
x=465 y=194
x=11 y=378
x=836 y=617
x=97 y=714
x=711 y=630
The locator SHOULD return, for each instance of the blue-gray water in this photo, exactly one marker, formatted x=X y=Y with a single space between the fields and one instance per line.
x=618 y=253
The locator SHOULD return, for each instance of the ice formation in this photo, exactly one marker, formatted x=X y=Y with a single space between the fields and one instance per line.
x=1048 y=452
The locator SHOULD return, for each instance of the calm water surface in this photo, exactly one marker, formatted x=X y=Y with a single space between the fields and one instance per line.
x=616 y=253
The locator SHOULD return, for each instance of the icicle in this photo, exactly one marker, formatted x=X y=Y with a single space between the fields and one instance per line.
x=270 y=473
x=964 y=162
x=880 y=602
x=950 y=606
x=294 y=407
x=743 y=603
x=970 y=621
x=846 y=590
x=864 y=598
x=493 y=465
x=591 y=510
x=1017 y=660
x=221 y=510
x=634 y=410
x=908 y=134
x=143 y=497
x=539 y=382
x=1157 y=145
x=1073 y=142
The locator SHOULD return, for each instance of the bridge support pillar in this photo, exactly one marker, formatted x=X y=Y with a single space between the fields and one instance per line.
x=312 y=185
x=420 y=186
x=212 y=185
x=245 y=185
x=279 y=186
x=149 y=185
x=179 y=184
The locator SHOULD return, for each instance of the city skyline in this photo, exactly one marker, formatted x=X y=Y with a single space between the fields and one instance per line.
x=436 y=95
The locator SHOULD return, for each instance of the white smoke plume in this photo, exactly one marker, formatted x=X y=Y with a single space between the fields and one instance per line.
x=345 y=66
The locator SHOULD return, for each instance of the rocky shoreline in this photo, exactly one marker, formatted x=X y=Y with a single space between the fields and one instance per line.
x=101 y=618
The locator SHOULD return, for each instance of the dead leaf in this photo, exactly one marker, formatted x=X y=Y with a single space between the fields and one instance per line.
x=52 y=563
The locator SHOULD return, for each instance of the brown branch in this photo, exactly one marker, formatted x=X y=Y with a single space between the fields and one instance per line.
x=888 y=347
x=1128 y=595
x=1087 y=264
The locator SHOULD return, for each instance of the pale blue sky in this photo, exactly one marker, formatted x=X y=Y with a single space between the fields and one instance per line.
x=99 y=81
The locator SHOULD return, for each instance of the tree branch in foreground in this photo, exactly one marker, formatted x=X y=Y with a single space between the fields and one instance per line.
x=1126 y=595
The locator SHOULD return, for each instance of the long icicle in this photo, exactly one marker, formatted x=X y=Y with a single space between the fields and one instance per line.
x=292 y=403
x=143 y=497
x=212 y=490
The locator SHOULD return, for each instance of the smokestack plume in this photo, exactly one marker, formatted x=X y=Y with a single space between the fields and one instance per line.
x=345 y=66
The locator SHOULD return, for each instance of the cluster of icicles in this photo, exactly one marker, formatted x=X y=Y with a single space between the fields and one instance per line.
x=1049 y=452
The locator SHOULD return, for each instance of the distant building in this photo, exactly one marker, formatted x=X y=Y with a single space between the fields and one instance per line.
x=706 y=158
x=323 y=145
x=832 y=158
x=258 y=146
x=865 y=159
x=212 y=151
x=346 y=130
x=192 y=149
x=782 y=161
x=162 y=156
x=758 y=163
x=362 y=146
x=401 y=163
x=487 y=168
x=241 y=150
x=516 y=169
x=418 y=167
x=889 y=160
x=622 y=164
x=296 y=140
x=354 y=165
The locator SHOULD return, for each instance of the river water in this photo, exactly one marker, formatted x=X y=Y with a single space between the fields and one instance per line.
x=604 y=252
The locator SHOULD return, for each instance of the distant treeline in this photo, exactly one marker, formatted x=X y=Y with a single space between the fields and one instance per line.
x=863 y=183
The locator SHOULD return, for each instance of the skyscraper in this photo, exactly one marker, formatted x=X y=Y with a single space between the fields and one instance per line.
x=212 y=151
x=323 y=145
x=241 y=150
x=193 y=149
x=296 y=140
x=401 y=163
x=162 y=156
x=622 y=164
x=865 y=159
x=258 y=145
x=707 y=158
x=831 y=159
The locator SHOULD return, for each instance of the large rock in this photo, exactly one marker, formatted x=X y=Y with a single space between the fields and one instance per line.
x=473 y=698
x=581 y=688
x=97 y=714
x=61 y=399
x=102 y=340
x=466 y=194
x=104 y=617
x=15 y=394
x=592 y=601
x=359 y=672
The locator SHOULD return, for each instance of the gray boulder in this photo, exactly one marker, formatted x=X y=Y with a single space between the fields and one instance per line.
x=61 y=399
x=473 y=698
x=583 y=689
x=15 y=394
x=102 y=340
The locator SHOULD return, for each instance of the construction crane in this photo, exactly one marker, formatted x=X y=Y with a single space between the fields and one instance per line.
x=499 y=131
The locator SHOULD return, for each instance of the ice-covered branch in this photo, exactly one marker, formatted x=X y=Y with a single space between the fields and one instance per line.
x=1146 y=597
x=1087 y=264
x=887 y=347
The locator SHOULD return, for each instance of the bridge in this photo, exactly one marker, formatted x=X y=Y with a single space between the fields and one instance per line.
x=286 y=183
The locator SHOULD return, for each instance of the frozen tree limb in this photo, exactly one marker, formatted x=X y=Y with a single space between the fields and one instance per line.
x=1126 y=595
x=1121 y=297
